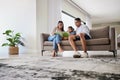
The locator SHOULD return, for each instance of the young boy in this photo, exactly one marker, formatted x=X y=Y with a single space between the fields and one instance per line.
x=71 y=30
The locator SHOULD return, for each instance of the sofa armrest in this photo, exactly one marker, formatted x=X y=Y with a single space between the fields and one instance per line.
x=113 y=38
x=43 y=37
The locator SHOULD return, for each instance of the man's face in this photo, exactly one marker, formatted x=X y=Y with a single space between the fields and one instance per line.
x=77 y=23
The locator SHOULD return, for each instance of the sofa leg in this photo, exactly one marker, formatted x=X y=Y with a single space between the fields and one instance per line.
x=115 y=53
x=42 y=52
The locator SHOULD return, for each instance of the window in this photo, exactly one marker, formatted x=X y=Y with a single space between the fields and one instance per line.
x=68 y=21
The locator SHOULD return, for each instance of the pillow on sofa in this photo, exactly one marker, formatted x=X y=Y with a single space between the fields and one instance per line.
x=65 y=34
x=102 y=32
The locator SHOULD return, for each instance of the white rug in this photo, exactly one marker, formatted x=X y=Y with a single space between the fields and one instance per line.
x=60 y=68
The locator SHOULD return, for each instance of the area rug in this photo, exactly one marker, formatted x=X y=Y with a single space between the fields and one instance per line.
x=47 y=68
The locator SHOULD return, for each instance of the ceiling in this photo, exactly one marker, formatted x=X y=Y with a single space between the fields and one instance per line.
x=101 y=11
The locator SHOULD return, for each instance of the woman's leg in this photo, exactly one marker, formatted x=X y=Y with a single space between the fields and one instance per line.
x=52 y=38
x=58 y=40
x=55 y=47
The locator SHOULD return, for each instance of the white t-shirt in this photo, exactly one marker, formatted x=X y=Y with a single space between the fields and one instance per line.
x=83 y=29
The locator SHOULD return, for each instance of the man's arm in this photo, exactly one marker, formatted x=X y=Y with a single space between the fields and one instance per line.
x=85 y=29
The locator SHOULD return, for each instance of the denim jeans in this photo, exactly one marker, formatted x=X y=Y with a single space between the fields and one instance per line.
x=55 y=39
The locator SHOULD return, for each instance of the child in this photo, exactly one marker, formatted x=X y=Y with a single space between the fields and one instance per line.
x=71 y=30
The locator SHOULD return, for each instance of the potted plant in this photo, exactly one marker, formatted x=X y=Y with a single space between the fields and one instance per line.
x=14 y=39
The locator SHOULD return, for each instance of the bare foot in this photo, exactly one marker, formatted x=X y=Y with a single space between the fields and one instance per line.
x=61 y=50
x=53 y=54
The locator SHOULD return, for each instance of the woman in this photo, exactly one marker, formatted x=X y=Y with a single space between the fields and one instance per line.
x=56 y=37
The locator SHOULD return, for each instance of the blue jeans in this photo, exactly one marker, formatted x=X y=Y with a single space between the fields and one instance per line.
x=56 y=39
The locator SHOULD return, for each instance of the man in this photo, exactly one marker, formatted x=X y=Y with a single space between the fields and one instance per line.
x=82 y=34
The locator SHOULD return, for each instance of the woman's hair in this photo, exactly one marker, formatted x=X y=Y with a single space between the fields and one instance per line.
x=71 y=28
x=62 y=26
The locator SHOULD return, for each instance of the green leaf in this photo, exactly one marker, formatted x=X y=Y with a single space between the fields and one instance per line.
x=12 y=44
x=18 y=35
x=13 y=39
x=10 y=40
x=8 y=33
x=5 y=44
x=17 y=41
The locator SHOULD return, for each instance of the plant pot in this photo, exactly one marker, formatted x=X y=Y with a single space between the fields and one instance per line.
x=13 y=50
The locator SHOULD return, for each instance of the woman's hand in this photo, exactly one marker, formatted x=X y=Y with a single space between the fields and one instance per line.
x=54 y=31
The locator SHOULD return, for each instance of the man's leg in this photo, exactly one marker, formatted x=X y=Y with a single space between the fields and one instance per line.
x=83 y=42
x=72 y=43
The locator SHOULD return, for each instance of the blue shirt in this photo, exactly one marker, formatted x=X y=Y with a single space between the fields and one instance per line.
x=73 y=33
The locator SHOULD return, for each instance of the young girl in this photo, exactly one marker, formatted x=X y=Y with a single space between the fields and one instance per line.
x=56 y=37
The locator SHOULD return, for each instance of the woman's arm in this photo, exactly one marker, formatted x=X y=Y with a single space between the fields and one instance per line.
x=54 y=31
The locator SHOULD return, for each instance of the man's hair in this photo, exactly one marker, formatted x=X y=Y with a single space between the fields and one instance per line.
x=78 y=19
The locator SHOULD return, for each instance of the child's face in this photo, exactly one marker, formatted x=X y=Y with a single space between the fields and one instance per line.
x=69 y=30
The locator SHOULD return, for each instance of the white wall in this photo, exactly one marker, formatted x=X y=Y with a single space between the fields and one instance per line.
x=54 y=13
x=20 y=16
x=42 y=20
x=88 y=22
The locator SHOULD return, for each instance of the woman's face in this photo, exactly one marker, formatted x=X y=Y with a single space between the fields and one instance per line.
x=60 y=25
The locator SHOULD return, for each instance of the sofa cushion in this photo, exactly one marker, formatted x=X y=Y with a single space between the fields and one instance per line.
x=45 y=36
x=100 y=41
x=100 y=32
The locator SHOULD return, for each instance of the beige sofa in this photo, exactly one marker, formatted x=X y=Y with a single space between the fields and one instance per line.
x=103 y=39
x=118 y=42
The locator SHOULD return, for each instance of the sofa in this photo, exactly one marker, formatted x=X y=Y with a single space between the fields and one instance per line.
x=118 y=41
x=103 y=39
